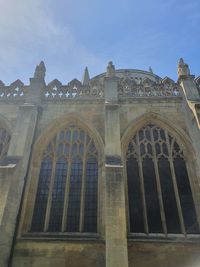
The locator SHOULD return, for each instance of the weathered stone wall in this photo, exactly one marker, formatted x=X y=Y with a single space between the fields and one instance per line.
x=131 y=115
x=162 y=254
x=60 y=253
x=57 y=114
x=111 y=121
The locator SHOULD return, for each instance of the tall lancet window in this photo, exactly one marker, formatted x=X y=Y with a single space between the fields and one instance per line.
x=67 y=192
x=159 y=192
x=4 y=142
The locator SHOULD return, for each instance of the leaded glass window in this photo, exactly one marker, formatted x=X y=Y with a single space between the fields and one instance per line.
x=67 y=192
x=159 y=193
x=4 y=142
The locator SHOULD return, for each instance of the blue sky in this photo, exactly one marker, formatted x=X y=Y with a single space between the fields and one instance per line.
x=71 y=34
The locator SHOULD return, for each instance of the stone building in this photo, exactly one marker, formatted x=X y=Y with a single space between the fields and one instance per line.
x=103 y=172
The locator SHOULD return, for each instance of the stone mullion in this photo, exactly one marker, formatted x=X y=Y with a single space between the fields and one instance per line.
x=67 y=186
x=175 y=185
x=51 y=184
x=159 y=190
x=83 y=187
x=146 y=227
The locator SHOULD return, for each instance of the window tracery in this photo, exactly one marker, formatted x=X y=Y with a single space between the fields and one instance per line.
x=159 y=193
x=67 y=193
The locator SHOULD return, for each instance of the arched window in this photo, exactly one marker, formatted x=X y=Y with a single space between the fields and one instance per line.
x=159 y=193
x=67 y=193
x=4 y=142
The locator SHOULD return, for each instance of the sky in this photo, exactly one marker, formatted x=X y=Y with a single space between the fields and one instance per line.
x=71 y=34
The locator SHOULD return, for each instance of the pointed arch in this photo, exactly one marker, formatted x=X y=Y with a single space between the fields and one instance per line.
x=160 y=195
x=163 y=122
x=58 y=124
x=67 y=175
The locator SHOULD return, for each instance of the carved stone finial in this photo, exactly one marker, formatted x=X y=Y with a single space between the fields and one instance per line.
x=110 y=70
x=86 y=77
x=150 y=69
x=40 y=71
x=183 y=68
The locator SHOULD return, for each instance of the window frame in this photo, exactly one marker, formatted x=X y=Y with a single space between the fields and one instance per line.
x=192 y=177
x=32 y=183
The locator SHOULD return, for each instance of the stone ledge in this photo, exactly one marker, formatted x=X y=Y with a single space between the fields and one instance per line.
x=61 y=238
x=9 y=162
x=113 y=161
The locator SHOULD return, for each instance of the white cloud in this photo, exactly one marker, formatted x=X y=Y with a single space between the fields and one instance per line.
x=29 y=30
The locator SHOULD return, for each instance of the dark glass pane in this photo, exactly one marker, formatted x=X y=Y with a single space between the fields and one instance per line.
x=158 y=150
x=60 y=149
x=74 y=150
x=68 y=135
x=91 y=183
x=141 y=135
x=142 y=149
x=155 y=134
x=169 y=201
x=62 y=136
x=82 y=135
x=130 y=148
x=58 y=194
x=165 y=150
x=134 y=197
x=147 y=134
x=73 y=213
x=81 y=149
x=149 y=149
x=41 y=197
x=162 y=134
x=187 y=204
x=66 y=150
x=152 y=203
x=75 y=135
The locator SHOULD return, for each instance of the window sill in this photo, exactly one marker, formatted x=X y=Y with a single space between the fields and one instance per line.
x=47 y=236
x=175 y=238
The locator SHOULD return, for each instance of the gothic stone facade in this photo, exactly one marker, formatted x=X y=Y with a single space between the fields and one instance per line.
x=103 y=172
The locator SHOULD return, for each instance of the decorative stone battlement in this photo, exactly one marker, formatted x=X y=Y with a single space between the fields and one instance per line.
x=131 y=84
x=147 y=88
x=73 y=90
x=16 y=91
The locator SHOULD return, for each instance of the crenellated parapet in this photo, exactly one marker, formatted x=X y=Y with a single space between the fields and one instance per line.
x=16 y=91
x=74 y=90
x=133 y=88
x=131 y=83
